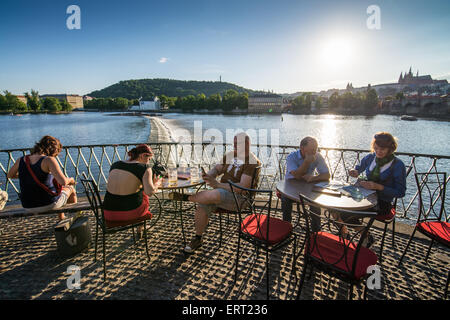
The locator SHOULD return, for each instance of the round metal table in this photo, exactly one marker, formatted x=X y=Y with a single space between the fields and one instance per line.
x=291 y=188
x=181 y=186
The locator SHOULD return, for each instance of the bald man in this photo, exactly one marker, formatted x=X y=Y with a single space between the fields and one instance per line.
x=238 y=166
x=308 y=165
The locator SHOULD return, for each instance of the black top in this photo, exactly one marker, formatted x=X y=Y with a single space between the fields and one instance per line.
x=115 y=202
x=31 y=194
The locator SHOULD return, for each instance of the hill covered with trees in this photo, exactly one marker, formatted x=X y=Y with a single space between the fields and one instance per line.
x=149 y=88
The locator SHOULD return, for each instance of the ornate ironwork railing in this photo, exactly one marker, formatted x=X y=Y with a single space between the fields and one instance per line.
x=96 y=160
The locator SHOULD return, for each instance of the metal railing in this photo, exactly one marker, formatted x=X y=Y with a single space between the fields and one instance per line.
x=96 y=160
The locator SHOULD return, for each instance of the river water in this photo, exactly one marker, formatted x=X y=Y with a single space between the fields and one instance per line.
x=83 y=128
x=353 y=132
x=77 y=128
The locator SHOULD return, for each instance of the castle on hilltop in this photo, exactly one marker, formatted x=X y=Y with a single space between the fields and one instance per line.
x=410 y=79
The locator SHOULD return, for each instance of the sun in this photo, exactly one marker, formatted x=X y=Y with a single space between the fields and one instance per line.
x=336 y=52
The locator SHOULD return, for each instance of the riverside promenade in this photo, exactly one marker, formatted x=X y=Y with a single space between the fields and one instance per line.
x=30 y=267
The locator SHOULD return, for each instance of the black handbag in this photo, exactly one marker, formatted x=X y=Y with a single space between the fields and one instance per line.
x=73 y=235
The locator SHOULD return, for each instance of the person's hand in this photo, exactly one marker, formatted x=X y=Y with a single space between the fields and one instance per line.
x=309 y=158
x=71 y=182
x=211 y=181
x=371 y=185
x=353 y=173
x=157 y=181
x=308 y=177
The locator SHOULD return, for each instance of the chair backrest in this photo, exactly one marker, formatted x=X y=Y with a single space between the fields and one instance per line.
x=335 y=250
x=93 y=195
x=255 y=180
x=431 y=187
x=255 y=177
x=408 y=171
x=256 y=209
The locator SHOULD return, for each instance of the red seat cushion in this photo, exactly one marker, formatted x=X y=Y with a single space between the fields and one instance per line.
x=330 y=249
x=115 y=224
x=256 y=225
x=386 y=217
x=437 y=230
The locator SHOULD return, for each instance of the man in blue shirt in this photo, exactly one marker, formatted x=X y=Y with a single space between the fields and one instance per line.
x=308 y=165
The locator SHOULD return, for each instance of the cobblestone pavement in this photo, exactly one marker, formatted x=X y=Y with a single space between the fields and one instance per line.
x=30 y=267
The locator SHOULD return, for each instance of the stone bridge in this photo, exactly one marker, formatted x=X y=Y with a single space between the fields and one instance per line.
x=429 y=105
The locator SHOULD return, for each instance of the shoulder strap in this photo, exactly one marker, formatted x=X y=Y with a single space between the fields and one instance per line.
x=39 y=183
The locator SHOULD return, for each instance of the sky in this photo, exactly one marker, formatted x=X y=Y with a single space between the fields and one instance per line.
x=284 y=46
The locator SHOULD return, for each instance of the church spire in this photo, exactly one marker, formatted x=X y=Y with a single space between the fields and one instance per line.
x=410 y=71
x=401 y=77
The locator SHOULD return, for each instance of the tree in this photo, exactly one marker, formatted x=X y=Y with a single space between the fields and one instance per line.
x=333 y=102
x=230 y=100
x=308 y=101
x=120 y=104
x=65 y=105
x=298 y=104
x=242 y=101
x=400 y=96
x=371 y=100
x=3 y=103
x=201 y=101
x=347 y=100
x=189 y=103
x=13 y=103
x=214 y=101
x=51 y=104
x=33 y=101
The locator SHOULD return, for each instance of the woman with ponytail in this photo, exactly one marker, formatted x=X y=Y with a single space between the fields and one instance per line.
x=43 y=186
x=130 y=183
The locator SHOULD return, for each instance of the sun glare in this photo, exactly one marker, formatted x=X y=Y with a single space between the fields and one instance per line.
x=336 y=52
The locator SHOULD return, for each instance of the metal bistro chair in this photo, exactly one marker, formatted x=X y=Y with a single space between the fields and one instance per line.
x=220 y=211
x=432 y=220
x=258 y=227
x=389 y=218
x=111 y=227
x=328 y=251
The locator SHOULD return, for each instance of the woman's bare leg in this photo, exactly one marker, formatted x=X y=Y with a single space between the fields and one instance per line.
x=73 y=196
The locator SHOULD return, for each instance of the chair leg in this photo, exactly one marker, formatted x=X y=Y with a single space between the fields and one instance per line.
x=382 y=242
x=302 y=278
x=350 y=292
x=429 y=250
x=407 y=246
x=446 y=286
x=237 y=258
x=365 y=292
x=96 y=239
x=104 y=257
x=393 y=233
x=220 y=230
x=267 y=274
x=294 y=258
x=146 y=241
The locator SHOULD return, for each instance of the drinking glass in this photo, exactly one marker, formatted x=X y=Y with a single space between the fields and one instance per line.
x=173 y=176
x=194 y=174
